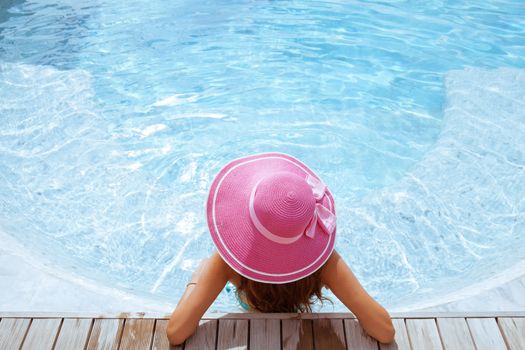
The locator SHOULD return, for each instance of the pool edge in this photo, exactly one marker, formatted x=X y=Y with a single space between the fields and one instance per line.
x=38 y=287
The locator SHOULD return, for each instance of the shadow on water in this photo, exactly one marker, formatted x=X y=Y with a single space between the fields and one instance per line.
x=5 y=14
x=43 y=33
x=5 y=5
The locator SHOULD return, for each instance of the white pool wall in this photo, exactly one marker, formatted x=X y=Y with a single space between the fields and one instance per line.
x=30 y=284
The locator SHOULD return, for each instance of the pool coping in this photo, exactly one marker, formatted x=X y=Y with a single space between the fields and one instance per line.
x=256 y=315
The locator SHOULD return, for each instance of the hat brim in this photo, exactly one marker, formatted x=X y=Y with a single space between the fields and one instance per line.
x=240 y=244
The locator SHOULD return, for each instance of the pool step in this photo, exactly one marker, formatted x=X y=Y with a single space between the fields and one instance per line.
x=459 y=213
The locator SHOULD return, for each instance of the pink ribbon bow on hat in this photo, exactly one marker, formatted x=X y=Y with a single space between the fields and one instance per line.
x=322 y=215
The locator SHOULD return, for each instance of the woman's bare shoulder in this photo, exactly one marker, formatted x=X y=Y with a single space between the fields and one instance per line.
x=329 y=267
x=220 y=264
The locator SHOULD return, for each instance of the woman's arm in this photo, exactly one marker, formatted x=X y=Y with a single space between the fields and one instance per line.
x=374 y=319
x=209 y=278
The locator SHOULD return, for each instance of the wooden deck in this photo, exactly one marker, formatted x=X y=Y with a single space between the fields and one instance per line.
x=262 y=331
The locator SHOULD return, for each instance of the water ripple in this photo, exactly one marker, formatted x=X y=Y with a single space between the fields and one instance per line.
x=115 y=113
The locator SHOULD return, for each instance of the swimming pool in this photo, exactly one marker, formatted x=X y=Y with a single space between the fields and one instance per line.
x=115 y=116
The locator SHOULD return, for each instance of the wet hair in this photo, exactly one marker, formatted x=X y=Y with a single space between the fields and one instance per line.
x=297 y=296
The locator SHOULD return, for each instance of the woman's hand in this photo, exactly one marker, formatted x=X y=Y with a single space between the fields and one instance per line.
x=210 y=277
x=374 y=319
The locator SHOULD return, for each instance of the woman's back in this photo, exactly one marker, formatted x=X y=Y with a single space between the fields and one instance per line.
x=212 y=275
x=273 y=222
x=296 y=296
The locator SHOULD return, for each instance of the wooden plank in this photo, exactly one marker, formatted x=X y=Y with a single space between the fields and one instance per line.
x=329 y=334
x=233 y=334
x=205 y=337
x=513 y=330
x=245 y=316
x=12 y=332
x=137 y=334
x=42 y=333
x=401 y=341
x=265 y=334
x=356 y=337
x=105 y=334
x=160 y=340
x=486 y=334
x=297 y=334
x=73 y=333
x=423 y=334
x=455 y=334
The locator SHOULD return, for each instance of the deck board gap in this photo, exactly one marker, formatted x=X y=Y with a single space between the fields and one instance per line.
x=406 y=332
x=89 y=333
x=410 y=341
x=25 y=334
x=121 y=334
x=439 y=333
x=58 y=333
x=455 y=333
x=217 y=335
x=486 y=334
x=249 y=329
x=281 y=334
x=470 y=332
x=512 y=331
x=344 y=334
x=440 y=336
x=153 y=334
x=502 y=332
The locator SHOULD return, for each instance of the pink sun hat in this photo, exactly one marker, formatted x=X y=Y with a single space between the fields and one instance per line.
x=271 y=218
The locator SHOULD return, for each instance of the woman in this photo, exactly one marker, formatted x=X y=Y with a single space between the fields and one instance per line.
x=273 y=223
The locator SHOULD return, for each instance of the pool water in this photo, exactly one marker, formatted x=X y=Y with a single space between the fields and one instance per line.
x=115 y=117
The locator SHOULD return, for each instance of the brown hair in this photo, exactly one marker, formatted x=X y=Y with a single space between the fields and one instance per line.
x=297 y=296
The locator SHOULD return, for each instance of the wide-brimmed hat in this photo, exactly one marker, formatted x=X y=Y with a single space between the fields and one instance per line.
x=271 y=218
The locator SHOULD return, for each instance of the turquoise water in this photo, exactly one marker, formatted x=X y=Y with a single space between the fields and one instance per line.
x=115 y=116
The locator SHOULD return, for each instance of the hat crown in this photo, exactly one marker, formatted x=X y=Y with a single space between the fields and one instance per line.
x=284 y=204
